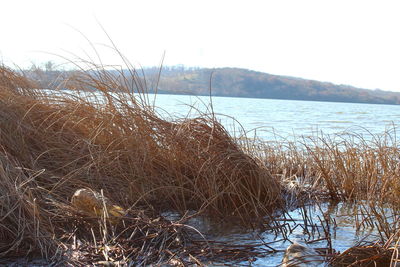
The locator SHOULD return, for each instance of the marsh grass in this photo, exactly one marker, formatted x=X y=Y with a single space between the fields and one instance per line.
x=101 y=131
x=105 y=136
x=361 y=170
x=346 y=168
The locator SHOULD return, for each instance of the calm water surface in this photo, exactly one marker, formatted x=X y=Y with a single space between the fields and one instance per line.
x=280 y=120
x=343 y=232
x=286 y=118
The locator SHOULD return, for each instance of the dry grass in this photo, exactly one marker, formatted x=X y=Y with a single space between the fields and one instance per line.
x=112 y=140
x=349 y=167
x=106 y=136
x=361 y=170
x=371 y=255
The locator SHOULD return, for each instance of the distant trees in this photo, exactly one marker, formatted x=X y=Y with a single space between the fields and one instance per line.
x=228 y=82
x=47 y=75
x=247 y=83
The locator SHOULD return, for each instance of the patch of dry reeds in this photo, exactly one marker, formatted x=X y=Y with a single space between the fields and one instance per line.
x=371 y=255
x=363 y=170
x=349 y=167
x=105 y=136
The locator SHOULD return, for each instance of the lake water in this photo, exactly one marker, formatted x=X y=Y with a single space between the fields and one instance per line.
x=271 y=118
x=343 y=231
x=282 y=120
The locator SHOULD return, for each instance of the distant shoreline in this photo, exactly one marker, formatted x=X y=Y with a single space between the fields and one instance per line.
x=287 y=99
x=230 y=82
x=235 y=82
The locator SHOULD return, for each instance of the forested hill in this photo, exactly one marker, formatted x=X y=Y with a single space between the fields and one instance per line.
x=231 y=82
x=245 y=83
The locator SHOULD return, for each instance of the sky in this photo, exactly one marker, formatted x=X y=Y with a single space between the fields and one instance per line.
x=341 y=41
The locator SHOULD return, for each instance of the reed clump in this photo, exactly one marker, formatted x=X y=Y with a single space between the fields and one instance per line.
x=100 y=132
x=349 y=167
x=372 y=255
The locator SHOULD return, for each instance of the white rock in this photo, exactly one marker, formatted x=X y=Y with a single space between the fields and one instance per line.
x=302 y=255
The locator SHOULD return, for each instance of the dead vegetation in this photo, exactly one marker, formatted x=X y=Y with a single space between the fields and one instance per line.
x=368 y=255
x=112 y=141
x=349 y=167
x=103 y=134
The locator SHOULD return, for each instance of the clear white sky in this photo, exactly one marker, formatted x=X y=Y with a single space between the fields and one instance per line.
x=342 y=41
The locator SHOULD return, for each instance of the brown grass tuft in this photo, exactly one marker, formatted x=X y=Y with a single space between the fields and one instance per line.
x=107 y=139
x=347 y=168
x=374 y=255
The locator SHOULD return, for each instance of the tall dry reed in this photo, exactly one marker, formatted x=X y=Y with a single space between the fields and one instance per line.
x=349 y=167
x=101 y=133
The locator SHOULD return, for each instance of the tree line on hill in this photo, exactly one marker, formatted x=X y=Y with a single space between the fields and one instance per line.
x=231 y=82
